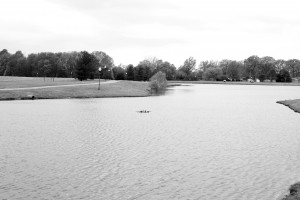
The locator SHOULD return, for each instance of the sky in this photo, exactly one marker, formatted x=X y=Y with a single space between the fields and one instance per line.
x=172 y=30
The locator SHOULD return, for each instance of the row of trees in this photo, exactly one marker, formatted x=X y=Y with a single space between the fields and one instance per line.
x=84 y=65
x=81 y=65
x=265 y=68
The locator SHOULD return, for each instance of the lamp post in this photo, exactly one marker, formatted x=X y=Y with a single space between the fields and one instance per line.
x=104 y=73
x=99 y=77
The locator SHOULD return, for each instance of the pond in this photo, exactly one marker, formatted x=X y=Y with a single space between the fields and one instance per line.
x=198 y=142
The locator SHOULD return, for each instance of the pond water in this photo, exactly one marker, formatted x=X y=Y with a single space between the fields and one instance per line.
x=198 y=142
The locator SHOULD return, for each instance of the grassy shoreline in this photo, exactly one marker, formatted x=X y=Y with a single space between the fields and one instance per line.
x=90 y=90
x=292 y=104
x=294 y=193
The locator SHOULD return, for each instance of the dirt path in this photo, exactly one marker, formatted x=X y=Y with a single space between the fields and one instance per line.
x=55 y=86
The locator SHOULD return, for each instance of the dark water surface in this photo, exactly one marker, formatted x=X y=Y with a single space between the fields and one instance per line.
x=198 y=142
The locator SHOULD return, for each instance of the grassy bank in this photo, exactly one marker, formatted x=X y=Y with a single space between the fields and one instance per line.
x=24 y=82
x=235 y=83
x=292 y=104
x=294 y=192
x=118 y=89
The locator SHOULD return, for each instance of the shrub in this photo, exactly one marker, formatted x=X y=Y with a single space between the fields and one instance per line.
x=158 y=81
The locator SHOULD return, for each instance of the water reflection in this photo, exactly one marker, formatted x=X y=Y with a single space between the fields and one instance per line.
x=198 y=142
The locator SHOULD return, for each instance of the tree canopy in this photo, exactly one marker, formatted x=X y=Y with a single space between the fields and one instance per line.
x=84 y=65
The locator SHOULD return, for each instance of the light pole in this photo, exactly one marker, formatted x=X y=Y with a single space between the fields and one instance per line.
x=99 y=77
x=104 y=73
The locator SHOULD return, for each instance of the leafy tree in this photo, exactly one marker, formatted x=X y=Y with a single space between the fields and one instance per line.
x=263 y=70
x=119 y=73
x=223 y=64
x=158 y=81
x=283 y=76
x=233 y=70
x=251 y=65
x=45 y=67
x=199 y=74
x=167 y=68
x=86 y=66
x=32 y=65
x=106 y=63
x=130 y=72
x=139 y=72
x=279 y=65
x=188 y=67
x=204 y=65
x=180 y=75
x=212 y=74
x=293 y=66
x=4 y=60
x=272 y=75
x=16 y=64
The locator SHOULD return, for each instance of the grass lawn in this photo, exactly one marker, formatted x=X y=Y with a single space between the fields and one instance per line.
x=22 y=82
x=118 y=89
x=292 y=104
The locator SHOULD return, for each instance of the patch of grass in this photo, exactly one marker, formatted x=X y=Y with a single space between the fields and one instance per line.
x=23 y=82
x=292 y=104
x=118 y=89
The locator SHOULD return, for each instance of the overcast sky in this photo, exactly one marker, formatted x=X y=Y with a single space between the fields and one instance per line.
x=173 y=30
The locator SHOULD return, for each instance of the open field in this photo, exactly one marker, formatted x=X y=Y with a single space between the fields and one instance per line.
x=89 y=90
x=292 y=104
x=23 y=82
x=235 y=83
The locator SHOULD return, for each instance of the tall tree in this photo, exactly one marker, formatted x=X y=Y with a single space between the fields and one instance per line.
x=251 y=65
x=279 y=65
x=119 y=72
x=4 y=60
x=106 y=63
x=139 y=72
x=16 y=65
x=265 y=67
x=167 y=68
x=293 y=66
x=130 y=72
x=233 y=70
x=283 y=76
x=45 y=67
x=204 y=65
x=212 y=74
x=86 y=66
x=32 y=65
x=188 y=67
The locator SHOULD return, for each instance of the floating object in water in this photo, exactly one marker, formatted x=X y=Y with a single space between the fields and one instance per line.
x=143 y=111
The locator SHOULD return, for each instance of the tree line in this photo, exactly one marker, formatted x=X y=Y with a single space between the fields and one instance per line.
x=84 y=65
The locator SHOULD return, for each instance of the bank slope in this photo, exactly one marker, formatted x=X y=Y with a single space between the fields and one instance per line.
x=292 y=104
x=118 y=89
